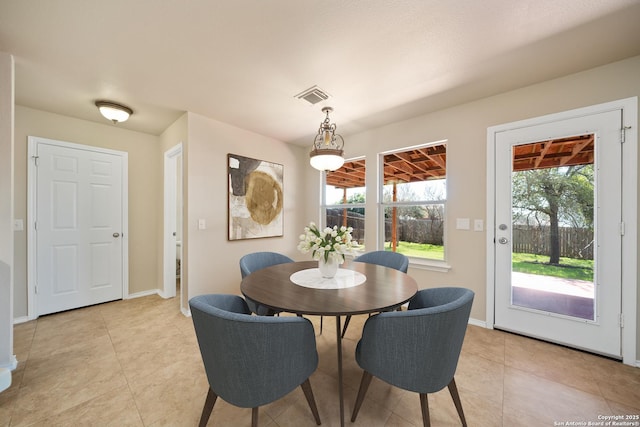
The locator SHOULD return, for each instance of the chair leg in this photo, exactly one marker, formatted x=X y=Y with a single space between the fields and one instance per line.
x=208 y=407
x=254 y=417
x=424 y=404
x=453 y=389
x=364 y=386
x=308 y=393
x=346 y=323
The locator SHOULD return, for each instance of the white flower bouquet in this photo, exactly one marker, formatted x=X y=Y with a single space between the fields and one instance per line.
x=328 y=243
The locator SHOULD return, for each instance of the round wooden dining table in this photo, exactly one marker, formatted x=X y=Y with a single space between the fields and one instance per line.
x=359 y=288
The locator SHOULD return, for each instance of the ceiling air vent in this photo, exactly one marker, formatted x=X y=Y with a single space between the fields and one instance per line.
x=313 y=95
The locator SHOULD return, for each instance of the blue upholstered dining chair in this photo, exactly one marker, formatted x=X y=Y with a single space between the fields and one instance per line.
x=257 y=261
x=251 y=361
x=389 y=259
x=417 y=349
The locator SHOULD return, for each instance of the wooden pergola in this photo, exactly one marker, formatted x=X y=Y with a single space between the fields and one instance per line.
x=416 y=165
x=576 y=150
x=428 y=163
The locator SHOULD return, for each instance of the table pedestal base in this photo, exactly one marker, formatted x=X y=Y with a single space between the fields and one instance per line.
x=340 y=386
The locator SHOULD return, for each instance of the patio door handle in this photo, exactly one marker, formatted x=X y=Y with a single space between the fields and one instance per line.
x=503 y=240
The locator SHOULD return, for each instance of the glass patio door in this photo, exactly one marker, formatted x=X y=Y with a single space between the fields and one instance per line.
x=558 y=231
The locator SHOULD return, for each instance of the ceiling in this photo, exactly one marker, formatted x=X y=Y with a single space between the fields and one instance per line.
x=243 y=61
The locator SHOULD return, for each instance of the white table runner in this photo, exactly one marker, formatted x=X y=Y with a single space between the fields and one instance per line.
x=344 y=278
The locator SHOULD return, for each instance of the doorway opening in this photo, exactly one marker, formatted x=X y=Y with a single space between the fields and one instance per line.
x=173 y=230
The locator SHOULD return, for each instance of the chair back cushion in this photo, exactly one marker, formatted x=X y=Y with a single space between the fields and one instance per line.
x=256 y=261
x=417 y=349
x=386 y=259
x=259 y=260
x=251 y=360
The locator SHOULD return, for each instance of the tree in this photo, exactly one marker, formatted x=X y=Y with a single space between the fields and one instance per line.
x=359 y=199
x=554 y=196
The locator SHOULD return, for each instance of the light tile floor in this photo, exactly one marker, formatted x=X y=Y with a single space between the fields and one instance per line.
x=137 y=363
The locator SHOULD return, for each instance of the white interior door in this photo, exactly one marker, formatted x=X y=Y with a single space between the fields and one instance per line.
x=79 y=213
x=599 y=331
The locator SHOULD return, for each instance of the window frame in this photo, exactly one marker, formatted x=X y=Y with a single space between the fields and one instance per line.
x=324 y=205
x=423 y=263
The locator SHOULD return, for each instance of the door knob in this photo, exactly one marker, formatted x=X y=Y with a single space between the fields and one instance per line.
x=503 y=240
x=116 y=234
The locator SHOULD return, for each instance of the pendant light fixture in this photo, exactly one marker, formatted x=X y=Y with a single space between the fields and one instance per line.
x=326 y=153
x=114 y=112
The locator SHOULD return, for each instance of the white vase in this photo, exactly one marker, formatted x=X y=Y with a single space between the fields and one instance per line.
x=328 y=269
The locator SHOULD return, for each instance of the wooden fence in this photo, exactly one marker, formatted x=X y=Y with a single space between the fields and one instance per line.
x=574 y=242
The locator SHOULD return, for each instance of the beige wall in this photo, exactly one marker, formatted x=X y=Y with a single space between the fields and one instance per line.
x=465 y=128
x=145 y=186
x=212 y=262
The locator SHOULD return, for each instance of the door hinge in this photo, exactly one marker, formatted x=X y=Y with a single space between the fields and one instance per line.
x=622 y=320
x=622 y=228
x=623 y=134
x=35 y=160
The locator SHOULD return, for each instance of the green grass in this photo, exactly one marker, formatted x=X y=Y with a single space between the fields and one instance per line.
x=418 y=250
x=569 y=268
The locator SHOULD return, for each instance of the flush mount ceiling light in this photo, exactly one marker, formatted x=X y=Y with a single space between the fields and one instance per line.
x=114 y=112
x=326 y=153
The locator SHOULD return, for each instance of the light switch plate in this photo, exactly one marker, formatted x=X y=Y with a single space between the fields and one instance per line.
x=18 y=225
x=462 y=223
x=202 y=224
x=478 y=225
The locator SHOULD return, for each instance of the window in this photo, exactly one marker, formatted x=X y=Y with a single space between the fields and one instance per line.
x=344 y=198
x=413 y=201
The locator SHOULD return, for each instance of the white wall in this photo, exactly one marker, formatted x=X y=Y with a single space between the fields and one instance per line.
x=212 y=262
x=7 y=359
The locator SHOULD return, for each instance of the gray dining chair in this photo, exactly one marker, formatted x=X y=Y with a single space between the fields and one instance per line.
x=417 y=349
x=251 y=361
x=257 y=261
x=389 y=259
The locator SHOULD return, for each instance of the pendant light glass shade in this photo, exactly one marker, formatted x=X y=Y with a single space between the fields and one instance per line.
x=114 y=112
x=327 y=153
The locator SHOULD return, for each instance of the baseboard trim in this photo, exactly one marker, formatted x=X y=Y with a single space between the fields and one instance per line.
x=12 y=365
x=476 y=322
x=142 y=294
x=22 y=319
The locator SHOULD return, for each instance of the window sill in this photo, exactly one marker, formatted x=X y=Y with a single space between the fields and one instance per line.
x=427 y=264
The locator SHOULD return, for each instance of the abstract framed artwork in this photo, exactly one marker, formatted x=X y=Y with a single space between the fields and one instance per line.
x=255 y=198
